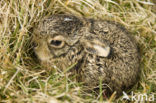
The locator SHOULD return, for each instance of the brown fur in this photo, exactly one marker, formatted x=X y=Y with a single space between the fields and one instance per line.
x=84 y=42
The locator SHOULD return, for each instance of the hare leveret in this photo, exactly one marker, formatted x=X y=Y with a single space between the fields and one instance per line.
x=102 y=50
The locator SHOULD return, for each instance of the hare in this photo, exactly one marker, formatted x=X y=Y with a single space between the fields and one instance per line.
x=103 y=51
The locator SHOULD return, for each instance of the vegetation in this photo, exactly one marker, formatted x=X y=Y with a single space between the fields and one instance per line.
x=23 y=80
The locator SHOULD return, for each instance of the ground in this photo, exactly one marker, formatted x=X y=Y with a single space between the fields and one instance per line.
x=23 y=80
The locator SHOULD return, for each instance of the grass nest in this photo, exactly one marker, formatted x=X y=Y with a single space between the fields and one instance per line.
x=23 y=80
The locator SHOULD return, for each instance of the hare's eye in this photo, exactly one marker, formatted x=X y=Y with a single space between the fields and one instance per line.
x=56 y=42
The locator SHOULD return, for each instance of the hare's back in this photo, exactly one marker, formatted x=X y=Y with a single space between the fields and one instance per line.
x=121 y=68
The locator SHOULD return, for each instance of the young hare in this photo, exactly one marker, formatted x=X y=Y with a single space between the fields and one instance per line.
x=102 y=50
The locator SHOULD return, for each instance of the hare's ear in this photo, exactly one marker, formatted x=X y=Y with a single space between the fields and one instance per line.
x=97 y=47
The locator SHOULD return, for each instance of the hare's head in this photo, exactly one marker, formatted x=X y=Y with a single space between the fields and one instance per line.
x=65 y=39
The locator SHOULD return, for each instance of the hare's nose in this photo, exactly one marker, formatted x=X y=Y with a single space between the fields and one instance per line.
x=35 y=45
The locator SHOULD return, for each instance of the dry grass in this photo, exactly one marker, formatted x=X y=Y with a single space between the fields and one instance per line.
x=24 y=80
